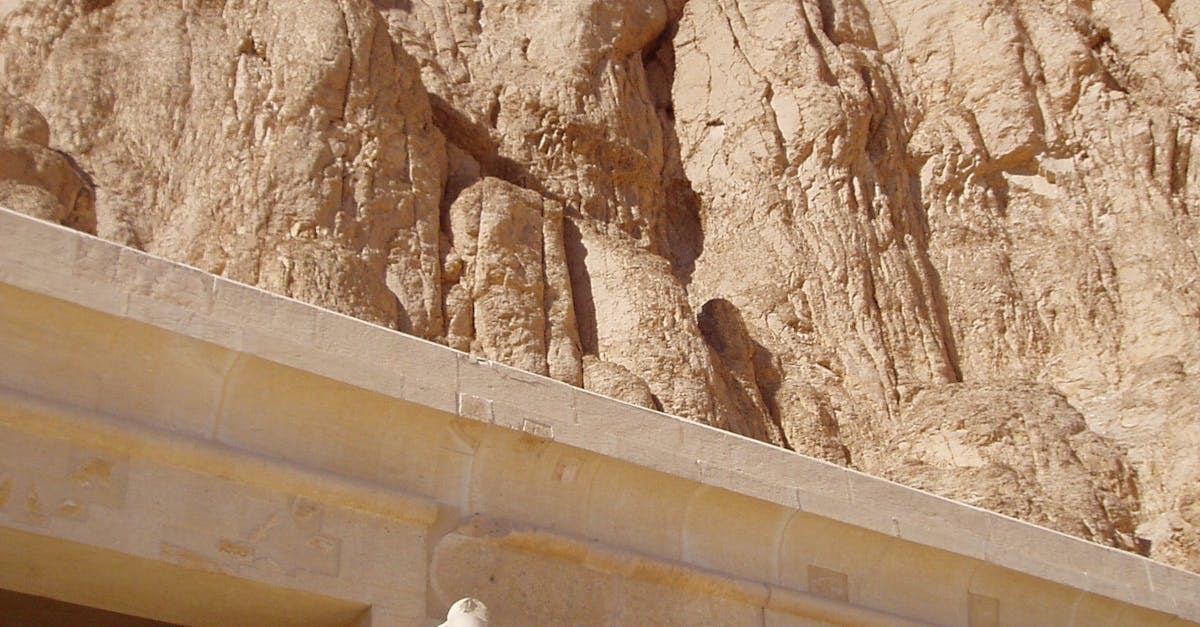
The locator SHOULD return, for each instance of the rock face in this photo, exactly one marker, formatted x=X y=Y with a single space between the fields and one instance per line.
x=285 y=145
x=954 y=244
x=36 y=179
x=507 y=288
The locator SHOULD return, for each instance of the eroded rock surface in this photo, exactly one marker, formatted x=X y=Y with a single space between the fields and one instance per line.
x=36 y=179
x=287 y=145
x=949 y=243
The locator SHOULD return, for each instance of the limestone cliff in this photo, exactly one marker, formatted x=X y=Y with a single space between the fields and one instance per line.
x=950 y=243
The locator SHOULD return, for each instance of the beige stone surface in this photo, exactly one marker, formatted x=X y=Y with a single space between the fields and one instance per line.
x=509 y=294
x=285 y=145
x=300 y=484
x=989 y=446
x=35 y=178
x=952 y=244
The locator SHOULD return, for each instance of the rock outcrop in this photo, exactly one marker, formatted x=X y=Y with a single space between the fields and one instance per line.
x=954 y=244
x=36 y=179
x=285 y=145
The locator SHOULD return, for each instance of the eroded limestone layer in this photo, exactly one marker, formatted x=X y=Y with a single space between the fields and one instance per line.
x=949 y=243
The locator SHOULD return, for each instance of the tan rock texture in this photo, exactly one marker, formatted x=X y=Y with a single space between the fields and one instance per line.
x=36 y=179
x=950 y=243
